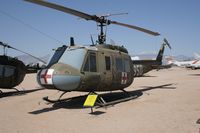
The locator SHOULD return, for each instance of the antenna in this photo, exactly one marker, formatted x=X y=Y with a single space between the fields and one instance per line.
x=92 y=40
x=72 y=41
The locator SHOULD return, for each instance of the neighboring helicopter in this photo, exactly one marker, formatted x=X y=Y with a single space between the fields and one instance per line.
x=98 y=67
x=140 y=67
x=12 y=70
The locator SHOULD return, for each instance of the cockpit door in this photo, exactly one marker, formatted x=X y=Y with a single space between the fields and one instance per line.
x=107 y=69
x=90 y=71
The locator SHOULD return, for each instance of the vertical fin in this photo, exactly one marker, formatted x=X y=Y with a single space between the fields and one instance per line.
x=162 y=49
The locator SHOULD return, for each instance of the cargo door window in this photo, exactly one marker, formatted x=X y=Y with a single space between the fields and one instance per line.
x=119 y=64
x=127 y=65
x=108 y=63
x=1 y=70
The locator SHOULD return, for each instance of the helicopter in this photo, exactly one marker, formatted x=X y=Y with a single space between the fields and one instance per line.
x=94 y=68
x=13 y=70
x=140 y=67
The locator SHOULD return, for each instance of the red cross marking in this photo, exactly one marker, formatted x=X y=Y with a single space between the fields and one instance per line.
x=124 y=77
x=45 y=76
x=195 y=62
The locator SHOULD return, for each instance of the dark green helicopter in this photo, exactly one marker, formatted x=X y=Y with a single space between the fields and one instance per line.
x=98 y=67
x=12 y=70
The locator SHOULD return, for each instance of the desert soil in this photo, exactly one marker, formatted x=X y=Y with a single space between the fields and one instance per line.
x=168 y=101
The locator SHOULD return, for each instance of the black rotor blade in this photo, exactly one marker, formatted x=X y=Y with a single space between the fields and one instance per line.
x=165 y=40
x=100 y=19
x=4 y=45
x=136 y=28
x=63 y=9
x=29 y=55
x=8 y=46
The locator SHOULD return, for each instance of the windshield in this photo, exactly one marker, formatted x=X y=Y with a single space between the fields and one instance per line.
x=73 y=58
x=6 y=71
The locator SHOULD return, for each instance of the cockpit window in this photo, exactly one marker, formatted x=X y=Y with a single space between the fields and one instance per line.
x=127 y=65
x=122 y=65
x=119 y=65
x=1 y=70
x=9 y=71
x=90 y=64
x=57 y=55
x=6 y=71
x=73 y=57
x=87 y=67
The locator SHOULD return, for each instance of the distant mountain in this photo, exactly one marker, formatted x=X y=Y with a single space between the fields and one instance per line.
x=30 y=60
x=183 y=58
x=145 y=56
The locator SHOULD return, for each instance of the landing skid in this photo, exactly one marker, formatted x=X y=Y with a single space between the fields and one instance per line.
x=102 y=103
x=55 y=101
x=9 y=89
x=16 y=89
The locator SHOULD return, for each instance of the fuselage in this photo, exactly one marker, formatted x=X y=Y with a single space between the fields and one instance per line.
x=12 y=72
x=92 y=68
x=182 y=63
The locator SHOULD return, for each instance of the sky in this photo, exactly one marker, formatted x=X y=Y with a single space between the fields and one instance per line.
x=37 y=29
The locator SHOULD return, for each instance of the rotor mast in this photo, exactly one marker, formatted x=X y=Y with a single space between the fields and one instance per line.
x=102 y=36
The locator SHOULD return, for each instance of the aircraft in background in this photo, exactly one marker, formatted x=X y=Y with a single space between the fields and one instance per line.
x=180 y=63
x=13 y=70
x=140 y=67
x=194 y=65
x=186 y=64
x=196 y=55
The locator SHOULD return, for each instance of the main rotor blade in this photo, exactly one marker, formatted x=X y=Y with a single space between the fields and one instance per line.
x=165 y=40
x=29 y=55
x=136 y=28
x=4 y=45
x=63 y=9
x=8 y=46
x=87 y=16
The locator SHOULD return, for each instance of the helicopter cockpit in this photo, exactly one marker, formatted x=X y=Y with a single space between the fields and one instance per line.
x=68 y=64
x=74 y=57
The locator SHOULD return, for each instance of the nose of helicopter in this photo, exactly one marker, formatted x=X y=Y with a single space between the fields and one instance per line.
x=54 y=79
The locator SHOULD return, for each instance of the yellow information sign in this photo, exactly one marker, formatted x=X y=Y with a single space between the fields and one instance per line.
x=90 y=100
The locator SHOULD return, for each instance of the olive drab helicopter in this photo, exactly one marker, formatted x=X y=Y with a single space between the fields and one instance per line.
x=140 y=67
x=12 y=70
x=93 y=68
